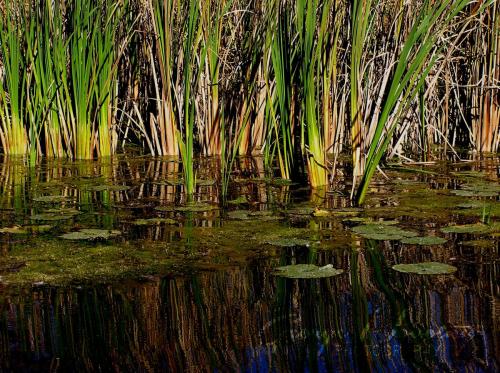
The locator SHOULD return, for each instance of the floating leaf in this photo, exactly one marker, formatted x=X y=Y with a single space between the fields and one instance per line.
x=91 y=234
x=428 y=240
x=382 y=232
x=425 y=268
x=307 y=271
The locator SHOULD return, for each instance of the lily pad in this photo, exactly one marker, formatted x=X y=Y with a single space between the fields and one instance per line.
x=307 y=271
x=153 y=221
x=425 y=268
x=51 y=199
x=91 y=234
x=427 y=240
x=382 y=232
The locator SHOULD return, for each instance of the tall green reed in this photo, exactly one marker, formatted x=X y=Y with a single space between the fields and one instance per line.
x=13 y=89
x=415 y=60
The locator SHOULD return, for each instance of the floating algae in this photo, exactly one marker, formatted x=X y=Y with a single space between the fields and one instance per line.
x=307 y=271
x=91 y=234
x=425 y=268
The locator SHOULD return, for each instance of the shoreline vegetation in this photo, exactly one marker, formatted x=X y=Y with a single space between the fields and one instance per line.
x=297 y=82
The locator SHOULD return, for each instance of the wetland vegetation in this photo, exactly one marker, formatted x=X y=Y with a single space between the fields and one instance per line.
x=262 y=185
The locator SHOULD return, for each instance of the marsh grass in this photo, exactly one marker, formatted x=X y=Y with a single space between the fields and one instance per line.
x=294 y=81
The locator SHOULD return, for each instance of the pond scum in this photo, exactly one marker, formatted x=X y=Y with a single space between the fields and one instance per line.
x=299 y=82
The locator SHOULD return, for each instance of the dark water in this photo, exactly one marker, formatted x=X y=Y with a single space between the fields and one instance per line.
x=218 y=307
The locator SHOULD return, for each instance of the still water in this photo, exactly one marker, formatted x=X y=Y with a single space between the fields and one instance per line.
x=190 y=287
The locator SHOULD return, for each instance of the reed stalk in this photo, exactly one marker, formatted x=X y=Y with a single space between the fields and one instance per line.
x=414 y=63
x=13 y=91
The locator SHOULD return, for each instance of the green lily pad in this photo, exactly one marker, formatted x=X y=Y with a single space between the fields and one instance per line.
x=153 y=221
x=425 y=268
x=91 y=234
x=382 y=232
x=428 y=240
x=51 y=199
x=307 y=271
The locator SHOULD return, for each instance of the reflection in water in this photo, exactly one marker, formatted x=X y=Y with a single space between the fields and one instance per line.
x=240 y=317
x=245 y=319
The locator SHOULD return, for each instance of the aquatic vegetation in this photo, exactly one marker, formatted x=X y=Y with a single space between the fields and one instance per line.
x=289 y=242
x=91 y=234
x=51 y=199
x=378 y=231
x=307 y=271
x=476 y=228
x=426 y=268
x=426 y=240
x=154 y=221
x=26 y=229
